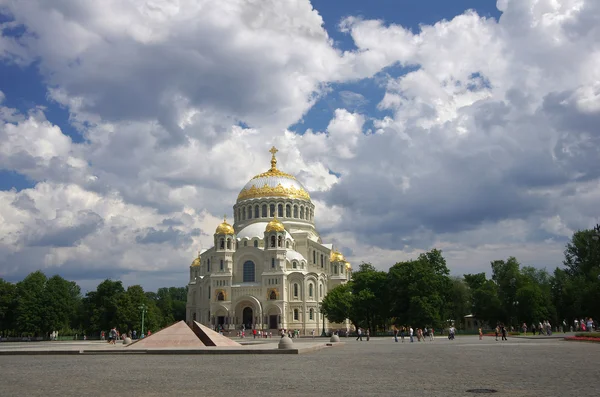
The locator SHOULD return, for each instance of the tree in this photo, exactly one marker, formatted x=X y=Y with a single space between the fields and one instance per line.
x=460 y=300
x=419 y=290
x=8 y=294
x=371 y=308
x=338 y=304
x=31 y=305
x=62 y=300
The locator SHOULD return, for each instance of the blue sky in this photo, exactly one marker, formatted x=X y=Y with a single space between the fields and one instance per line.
x=120 y=122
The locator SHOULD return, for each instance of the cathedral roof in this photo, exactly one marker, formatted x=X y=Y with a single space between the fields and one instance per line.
x=275 y=226
x=291 y=255
x=224 y=228
x=273 y=183
x=256 y=230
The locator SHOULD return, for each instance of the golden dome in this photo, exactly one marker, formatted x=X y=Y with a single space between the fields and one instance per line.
x=348 y=266
x=196 y=262
x=336 y=257
x=273 y=183
x=224 y=228
x=275 y=226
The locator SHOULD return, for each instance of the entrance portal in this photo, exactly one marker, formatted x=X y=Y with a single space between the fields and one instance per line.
x=247 y=317
x=273 y=324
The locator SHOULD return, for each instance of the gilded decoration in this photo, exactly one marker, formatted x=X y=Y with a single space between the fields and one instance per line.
x=224 y=228
x=277 y=191
x=196 y=262
x=275 y=226
x=273 y=191
x=272 y=291
x=336 y=257
x=221 y=291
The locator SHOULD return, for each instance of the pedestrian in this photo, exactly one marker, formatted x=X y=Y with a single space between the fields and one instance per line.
x=410 y=333
x=497 y=331
x=503 y=329
x=359 y=334
x=368 y=334
x=395 y=334
x=402 y=333
x=480 y=334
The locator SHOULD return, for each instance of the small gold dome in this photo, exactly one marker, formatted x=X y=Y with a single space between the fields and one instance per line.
x=196 y=262
x=224 y=228
x=336 y=257
x=348 y=266
x=275 y=226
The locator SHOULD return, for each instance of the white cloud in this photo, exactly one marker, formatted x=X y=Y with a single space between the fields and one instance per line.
x=488 y=149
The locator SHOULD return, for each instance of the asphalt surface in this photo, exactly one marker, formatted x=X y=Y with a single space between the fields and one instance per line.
x=517 y=367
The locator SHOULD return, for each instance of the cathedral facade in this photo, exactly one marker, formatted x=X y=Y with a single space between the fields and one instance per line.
x=269 y=270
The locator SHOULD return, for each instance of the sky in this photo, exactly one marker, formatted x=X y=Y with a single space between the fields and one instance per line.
x=128 y=127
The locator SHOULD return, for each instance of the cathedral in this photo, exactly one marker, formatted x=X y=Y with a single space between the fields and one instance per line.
x=270 y=270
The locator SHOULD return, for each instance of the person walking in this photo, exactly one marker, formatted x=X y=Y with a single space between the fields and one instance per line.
x=431 y=335
x=402 y=333
x=503 y=329
x=497 y=331
x=395 y=334
x=480 y=334
x=359 y=334
x=410 y=333
x=368 y=334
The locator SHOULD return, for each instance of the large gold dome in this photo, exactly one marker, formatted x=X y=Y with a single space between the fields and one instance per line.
x=224 y=228
x=273 y=183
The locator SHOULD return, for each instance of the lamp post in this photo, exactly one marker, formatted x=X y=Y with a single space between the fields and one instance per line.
x=143 y=309
x=323 y=334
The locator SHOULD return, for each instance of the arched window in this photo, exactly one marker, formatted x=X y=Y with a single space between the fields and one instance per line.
x=273 y=295
x=272 y=241
x=264 y=211
x=310 y=290
x=322 y=260
x=287 y=244
x=250 y=212
x=335 y=269
x=208 y=265
x=228 y=243
x=255 y=243
x=320 y=290
x=295 y=211
x=248 y=276
x=280 y=210
x=288 y=211
x=221 y=265
x=301 y=212
x=294 y=265
x=245 y=243
x=256 y=212
x=244 y=214
x=295 y=290
x=209 y=293
x=315 y=257
x=280 y=241
x=296 y=315
x=220 y=296
x=271 y=210
x=311 y=314
x=222 y=243
x=273 y=263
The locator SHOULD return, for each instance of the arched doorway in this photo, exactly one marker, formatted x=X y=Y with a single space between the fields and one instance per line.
x=247 y=317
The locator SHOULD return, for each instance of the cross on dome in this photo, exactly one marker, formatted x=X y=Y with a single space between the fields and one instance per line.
x=273 y=159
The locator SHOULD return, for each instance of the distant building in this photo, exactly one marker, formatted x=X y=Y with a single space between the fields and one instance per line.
x=270 y=270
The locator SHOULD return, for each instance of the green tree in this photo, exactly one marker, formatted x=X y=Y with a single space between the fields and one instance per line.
x=419 y=290
x=338 y=304
x=31 y=304
x=62 y=300
x=371 y=308
x=460 y=301
x=8 y=296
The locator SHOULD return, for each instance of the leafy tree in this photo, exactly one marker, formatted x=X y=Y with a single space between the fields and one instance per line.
x=460 y=300
x=31 y=304
x=8 y=294
x=338 y=304
x=371 y=308
x=62 y=300
x=419 y=290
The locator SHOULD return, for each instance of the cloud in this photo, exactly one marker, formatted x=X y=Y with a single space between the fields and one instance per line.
x=488 y=148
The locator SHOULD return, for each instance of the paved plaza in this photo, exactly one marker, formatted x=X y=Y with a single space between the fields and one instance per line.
x=517 y=367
